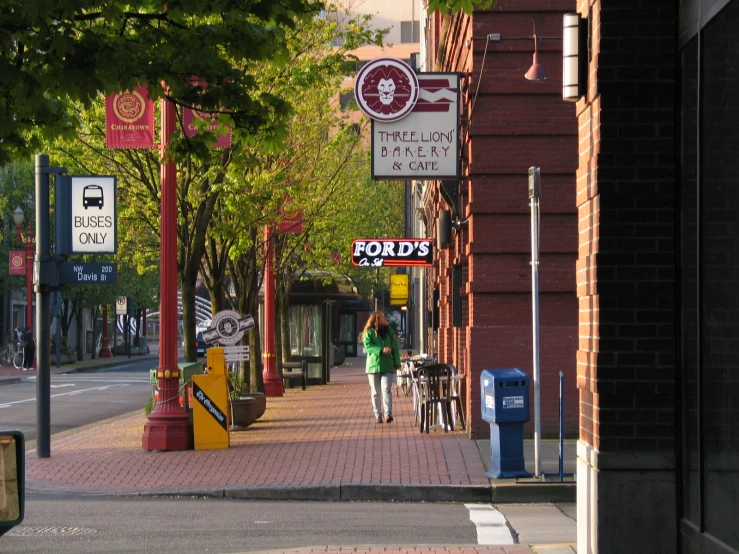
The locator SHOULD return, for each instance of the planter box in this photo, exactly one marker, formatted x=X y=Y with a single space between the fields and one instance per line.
x=246 y=410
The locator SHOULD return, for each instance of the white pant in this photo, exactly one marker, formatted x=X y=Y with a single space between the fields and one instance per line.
x=384 y=381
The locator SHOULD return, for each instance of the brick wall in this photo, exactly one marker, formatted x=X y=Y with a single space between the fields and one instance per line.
x=510 y=124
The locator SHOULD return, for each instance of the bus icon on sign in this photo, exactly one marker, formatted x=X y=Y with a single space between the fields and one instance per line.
x=92 y=195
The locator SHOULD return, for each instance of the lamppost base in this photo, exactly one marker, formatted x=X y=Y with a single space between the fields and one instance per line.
x=168 y=431
x=272 y=384
x=105 y=352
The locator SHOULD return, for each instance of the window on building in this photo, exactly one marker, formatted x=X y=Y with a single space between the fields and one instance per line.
x=410 y=31
x=345 y=98
x=353 y=128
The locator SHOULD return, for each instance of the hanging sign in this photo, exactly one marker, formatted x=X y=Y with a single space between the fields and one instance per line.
x=191 y=116
x=399 y=289
x=386 y=89
x=392 y=252
x=425 y=144
x=227 y=327
x=17 y=262
x=129 y=119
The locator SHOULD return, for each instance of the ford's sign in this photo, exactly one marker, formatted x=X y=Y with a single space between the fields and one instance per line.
x=392 y=252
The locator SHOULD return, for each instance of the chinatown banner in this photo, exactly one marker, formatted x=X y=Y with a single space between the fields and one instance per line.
x=190 y=117
x=129 y=119
x=17 y=262
x=290 y=221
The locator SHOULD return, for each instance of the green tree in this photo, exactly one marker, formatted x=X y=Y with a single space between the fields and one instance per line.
x=53 y=54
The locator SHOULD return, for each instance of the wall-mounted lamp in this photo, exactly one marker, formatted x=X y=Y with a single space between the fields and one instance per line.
x=574 y=57
x=537 y=72
x=444 y=226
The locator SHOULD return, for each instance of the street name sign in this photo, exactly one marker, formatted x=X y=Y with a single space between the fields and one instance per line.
x=71 y=273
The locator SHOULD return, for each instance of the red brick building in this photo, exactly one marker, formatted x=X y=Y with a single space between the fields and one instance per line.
x=508 y=125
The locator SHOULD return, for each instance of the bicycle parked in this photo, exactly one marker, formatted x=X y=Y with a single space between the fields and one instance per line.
x=12 y=355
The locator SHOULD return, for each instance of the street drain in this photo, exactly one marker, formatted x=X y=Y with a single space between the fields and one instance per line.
x=53 y=531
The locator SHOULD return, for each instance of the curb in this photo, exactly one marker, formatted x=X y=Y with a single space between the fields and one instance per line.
x=95 y=367
x=351 y=492
x=9 y=381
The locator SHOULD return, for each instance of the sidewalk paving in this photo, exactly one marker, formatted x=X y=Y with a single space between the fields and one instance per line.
x=317 y=444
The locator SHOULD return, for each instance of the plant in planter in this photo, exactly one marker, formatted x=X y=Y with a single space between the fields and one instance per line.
x=246 y=407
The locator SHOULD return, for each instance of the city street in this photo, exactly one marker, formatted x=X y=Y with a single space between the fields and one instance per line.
x=67 y=524
x=77 y=399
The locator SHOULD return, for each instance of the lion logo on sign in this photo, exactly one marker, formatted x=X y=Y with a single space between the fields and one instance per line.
x=386 y=89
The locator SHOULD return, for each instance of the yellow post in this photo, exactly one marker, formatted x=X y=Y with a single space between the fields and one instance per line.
x=216 y=361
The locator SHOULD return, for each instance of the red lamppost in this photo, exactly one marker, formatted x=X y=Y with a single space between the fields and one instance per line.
x=168 y=426
x=272 y=381
x=104 y=348
x=30 y=241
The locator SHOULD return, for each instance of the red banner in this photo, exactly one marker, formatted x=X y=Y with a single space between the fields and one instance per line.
x=292 y=223
x=129 y=118
x=17 y=262
x=189 y=116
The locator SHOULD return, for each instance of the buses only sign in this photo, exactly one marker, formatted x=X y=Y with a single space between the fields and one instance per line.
x=93 y=215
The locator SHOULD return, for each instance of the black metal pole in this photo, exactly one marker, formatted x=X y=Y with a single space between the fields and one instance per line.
x=58 y=315
x=43 y=312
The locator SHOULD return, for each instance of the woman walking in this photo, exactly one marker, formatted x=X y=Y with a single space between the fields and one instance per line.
x=383 y=360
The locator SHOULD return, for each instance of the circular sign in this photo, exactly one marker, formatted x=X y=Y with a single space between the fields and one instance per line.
x=386 y=89
x=129 y=106
x=226 y=324
x=16 y=259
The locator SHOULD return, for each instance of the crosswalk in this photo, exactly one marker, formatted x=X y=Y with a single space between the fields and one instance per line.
x=492 y=526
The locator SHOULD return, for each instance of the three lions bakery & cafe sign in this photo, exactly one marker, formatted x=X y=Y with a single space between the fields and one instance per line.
x=415 y=120
x=392 y=252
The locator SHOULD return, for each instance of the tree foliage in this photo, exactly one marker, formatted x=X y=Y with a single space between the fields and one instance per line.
x=53 y=53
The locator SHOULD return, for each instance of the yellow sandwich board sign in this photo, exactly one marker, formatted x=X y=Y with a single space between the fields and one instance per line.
x=210 y=412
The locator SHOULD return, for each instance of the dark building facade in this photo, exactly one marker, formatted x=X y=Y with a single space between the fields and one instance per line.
x=655 y=263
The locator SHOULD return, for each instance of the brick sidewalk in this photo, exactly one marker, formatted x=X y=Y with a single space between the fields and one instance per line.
x=317 y=443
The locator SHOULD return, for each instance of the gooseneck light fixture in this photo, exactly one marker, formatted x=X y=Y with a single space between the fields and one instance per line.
x=537 y=72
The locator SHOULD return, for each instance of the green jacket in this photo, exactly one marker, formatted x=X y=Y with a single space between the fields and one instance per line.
x=377 y=362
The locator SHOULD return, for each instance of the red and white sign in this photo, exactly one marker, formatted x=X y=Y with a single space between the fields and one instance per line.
x=392 y=252
x=129 y=119
x=425 y=144
x=17 y=262
x=386 y=89
x=190 y=116
x=291 y=223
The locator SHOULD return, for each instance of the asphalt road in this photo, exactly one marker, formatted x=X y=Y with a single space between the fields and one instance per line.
x=77 y=399
x=93 y=524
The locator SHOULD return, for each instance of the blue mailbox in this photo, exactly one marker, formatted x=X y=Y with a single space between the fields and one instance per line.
x=505 y=405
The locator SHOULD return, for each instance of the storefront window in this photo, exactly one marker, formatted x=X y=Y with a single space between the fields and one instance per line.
x=305 y=334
